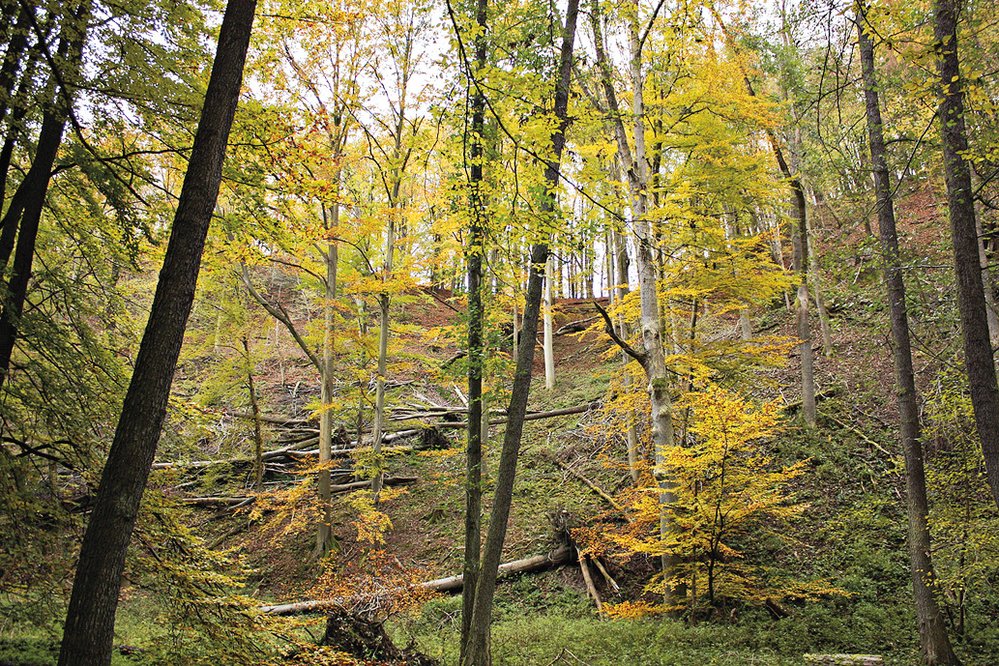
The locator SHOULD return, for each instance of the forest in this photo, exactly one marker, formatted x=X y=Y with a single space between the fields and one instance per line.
x=474 y=333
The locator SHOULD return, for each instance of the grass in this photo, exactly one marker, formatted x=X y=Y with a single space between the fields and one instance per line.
x=552 y=639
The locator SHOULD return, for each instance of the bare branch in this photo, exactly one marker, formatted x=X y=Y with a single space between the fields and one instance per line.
x=641 y=357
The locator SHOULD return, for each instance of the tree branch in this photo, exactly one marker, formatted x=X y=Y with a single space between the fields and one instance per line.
x=641 y=357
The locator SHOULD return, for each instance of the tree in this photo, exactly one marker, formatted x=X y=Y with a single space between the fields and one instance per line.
x=801 y=255
x=25 y=212
x=89 y=629
x=476 y=649
x=634 y=163
x=932 y=630
x=978 y=359
x=476 y=321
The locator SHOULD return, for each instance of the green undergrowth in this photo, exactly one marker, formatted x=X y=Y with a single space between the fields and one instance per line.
x=556 y=638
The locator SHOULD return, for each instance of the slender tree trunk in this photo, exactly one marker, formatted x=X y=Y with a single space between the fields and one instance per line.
x=25 y=211
x=324 y=535
x=620 y=262
x=803 y=256
x=18 y=110
x=745 y=325
x=89 y=628
x=384 y=302
x=932 y=630
x=991 y=307
x=477 y=649
x=660 y=398
x=978 y=359
x=549 y=349
x=12 y=57
x=476 y=318
x=636 y=169
x=825 y=328
x=258 y=435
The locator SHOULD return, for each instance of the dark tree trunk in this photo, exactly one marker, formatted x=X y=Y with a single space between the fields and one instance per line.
x=473 y=474
x=89 y=630
x=476 y=651
x=18 y=41
x=17 y=107
x=978 y=359
x=25 y=212
x=20 y=109
x=935 y=644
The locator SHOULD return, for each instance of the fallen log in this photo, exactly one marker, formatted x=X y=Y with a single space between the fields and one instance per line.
x=603 y=494
x=224 y=501
x=388 y=481
x=526 y=565
x=450 y=584
x=243 y=500
x=296 y=450
x=591 y=589
x=283 y=452
x=530 y=416
x=576 y=326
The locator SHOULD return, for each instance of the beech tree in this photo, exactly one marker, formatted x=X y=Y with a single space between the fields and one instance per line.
x=978 y=358
x=89 y=629
x=932 y=629
x=476 y=649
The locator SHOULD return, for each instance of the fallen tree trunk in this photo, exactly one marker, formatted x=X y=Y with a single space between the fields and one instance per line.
x=387 y=481
x=443 y=585
x=242 y=500
x=531 y=416
x=576 y=326
x=296 y=450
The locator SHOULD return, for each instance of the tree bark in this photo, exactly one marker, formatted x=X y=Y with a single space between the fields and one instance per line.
x=324 y=534
x=258 y=435
x=978 y=360
x=89 y=628
x=932 y=630
x=636 y=169
x=16 y=44
x=476 y=317
x=384 y=302
x=442 y=585
x=549 y=332
x=476 y=651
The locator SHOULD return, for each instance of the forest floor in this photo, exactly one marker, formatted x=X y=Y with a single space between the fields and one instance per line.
x=852 y=534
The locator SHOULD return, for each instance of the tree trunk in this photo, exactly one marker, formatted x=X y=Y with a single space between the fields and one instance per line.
x=991 y=307
x=258 y=435
x=825 y=328
x=663 y=436
x=476 y=318
x=636 y=170
x=477 y=652
x=932 y=630
x=25 y=212
x=384 y=301
x=549 y=349
x=324 y=534
x=978 y=359
x=89 y=628
x=16 y=44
